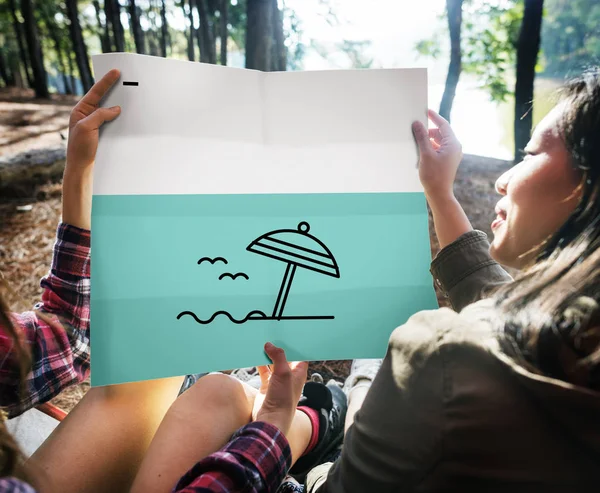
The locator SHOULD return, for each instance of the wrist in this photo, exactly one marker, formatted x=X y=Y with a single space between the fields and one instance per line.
x=77 y=197
x=77 y=175
x=282 y=425
x=437 y=198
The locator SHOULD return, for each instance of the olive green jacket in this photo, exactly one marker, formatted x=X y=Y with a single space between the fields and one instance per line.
x=448 y=411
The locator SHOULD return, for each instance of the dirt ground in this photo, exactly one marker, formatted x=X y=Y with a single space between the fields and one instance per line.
x=27 y=227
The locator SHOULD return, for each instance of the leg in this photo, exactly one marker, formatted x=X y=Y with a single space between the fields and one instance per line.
x=355 y=401
x=101 y=443
x=357 y=384
x=200 y=422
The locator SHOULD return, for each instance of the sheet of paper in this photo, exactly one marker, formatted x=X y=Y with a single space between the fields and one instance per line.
x=233 y=207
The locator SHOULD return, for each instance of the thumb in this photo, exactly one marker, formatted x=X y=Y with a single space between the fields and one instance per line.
x=277 y=356
x=421 y=137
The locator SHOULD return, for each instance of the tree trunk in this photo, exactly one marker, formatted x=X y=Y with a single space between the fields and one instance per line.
x=528 y=47
x=197 y=33
x=224 y=19
x=136 y=29
x=164 y=29
x=20 y=42
x=15 y=67
x=208 y=54
x=5 y=73
x=112 y=9
x=72 y=73
x=454 y=24
x=54 y=33
x=191 y=50
x=279 y=57
x=102 y=29
x=36 y=56
x=259 y=34
x=79 y=48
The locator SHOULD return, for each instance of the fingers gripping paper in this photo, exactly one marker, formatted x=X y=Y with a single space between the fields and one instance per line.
x=234 y=207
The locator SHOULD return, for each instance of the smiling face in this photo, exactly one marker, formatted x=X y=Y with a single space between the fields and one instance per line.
x=539 y=195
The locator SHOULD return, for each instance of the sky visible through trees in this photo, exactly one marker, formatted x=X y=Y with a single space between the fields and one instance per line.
x=308 y=35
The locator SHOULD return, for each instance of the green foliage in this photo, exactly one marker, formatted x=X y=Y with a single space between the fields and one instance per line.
x=490 y=34
x=490 y=30
x=430 y=47
x=570 y=36
x=355 y=50
x=292 y=31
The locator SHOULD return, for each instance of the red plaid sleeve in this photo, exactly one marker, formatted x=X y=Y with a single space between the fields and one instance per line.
x=255 y=460
x=57 y=332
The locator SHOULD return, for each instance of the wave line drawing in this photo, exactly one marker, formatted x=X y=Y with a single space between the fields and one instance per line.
x=233 y=276
x=253 y=315
x=212 y=261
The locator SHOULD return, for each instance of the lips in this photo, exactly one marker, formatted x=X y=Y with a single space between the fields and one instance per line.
x=500 y=217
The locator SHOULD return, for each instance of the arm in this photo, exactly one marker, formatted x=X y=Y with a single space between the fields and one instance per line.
x=57 y=332
x=463 y=268
x=259 y=456
x=256 y=460
x=466 y=272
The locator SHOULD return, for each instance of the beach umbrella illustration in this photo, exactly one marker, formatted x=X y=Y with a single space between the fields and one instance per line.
x=297 y=248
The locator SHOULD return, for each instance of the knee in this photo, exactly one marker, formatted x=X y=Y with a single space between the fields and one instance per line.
x=222 y=391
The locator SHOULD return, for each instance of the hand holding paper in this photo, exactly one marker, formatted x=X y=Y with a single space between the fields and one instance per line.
x=440 y=155
x=280 y=389
x=86 y=119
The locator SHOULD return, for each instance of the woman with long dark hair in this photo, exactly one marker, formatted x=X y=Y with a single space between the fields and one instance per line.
x=502 y=394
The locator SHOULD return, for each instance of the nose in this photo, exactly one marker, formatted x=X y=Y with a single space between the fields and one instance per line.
x=502 y=182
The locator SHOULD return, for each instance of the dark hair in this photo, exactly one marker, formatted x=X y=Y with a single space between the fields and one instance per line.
x=554 y=305
x=9 y=450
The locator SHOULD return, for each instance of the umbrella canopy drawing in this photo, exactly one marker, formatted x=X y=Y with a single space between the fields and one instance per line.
x=297 y=248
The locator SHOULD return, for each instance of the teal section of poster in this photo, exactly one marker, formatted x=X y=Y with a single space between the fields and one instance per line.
x=362 y=272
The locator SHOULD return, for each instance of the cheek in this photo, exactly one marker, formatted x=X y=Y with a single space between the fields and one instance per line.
x=540 y=200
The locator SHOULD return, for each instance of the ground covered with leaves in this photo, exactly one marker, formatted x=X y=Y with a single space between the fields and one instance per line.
x=27 y=226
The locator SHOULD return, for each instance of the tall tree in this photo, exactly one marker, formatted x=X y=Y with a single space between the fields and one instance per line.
x=207 y=46
x=5 y=73
x=259 y=34
x=79 y=47
x=20 y=42
x=34 y=48
x=223 y=19
x=55 y=35
x=454 y=8
x=164 y=29
x=279 y=57
x=136 y=28
x=191 y=50
x=112 y=9
x=528 y=47
x=72 y=72
x=103 y=33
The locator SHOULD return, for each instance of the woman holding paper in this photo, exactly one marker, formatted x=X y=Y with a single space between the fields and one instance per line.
x=502 y=394
x=46 y=350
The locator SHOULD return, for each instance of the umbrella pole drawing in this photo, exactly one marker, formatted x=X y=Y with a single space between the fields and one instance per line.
x=297 y=248
x=284 y=290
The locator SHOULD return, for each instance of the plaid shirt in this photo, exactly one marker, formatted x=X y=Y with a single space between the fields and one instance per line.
x=57 y=332
x=255 y=460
